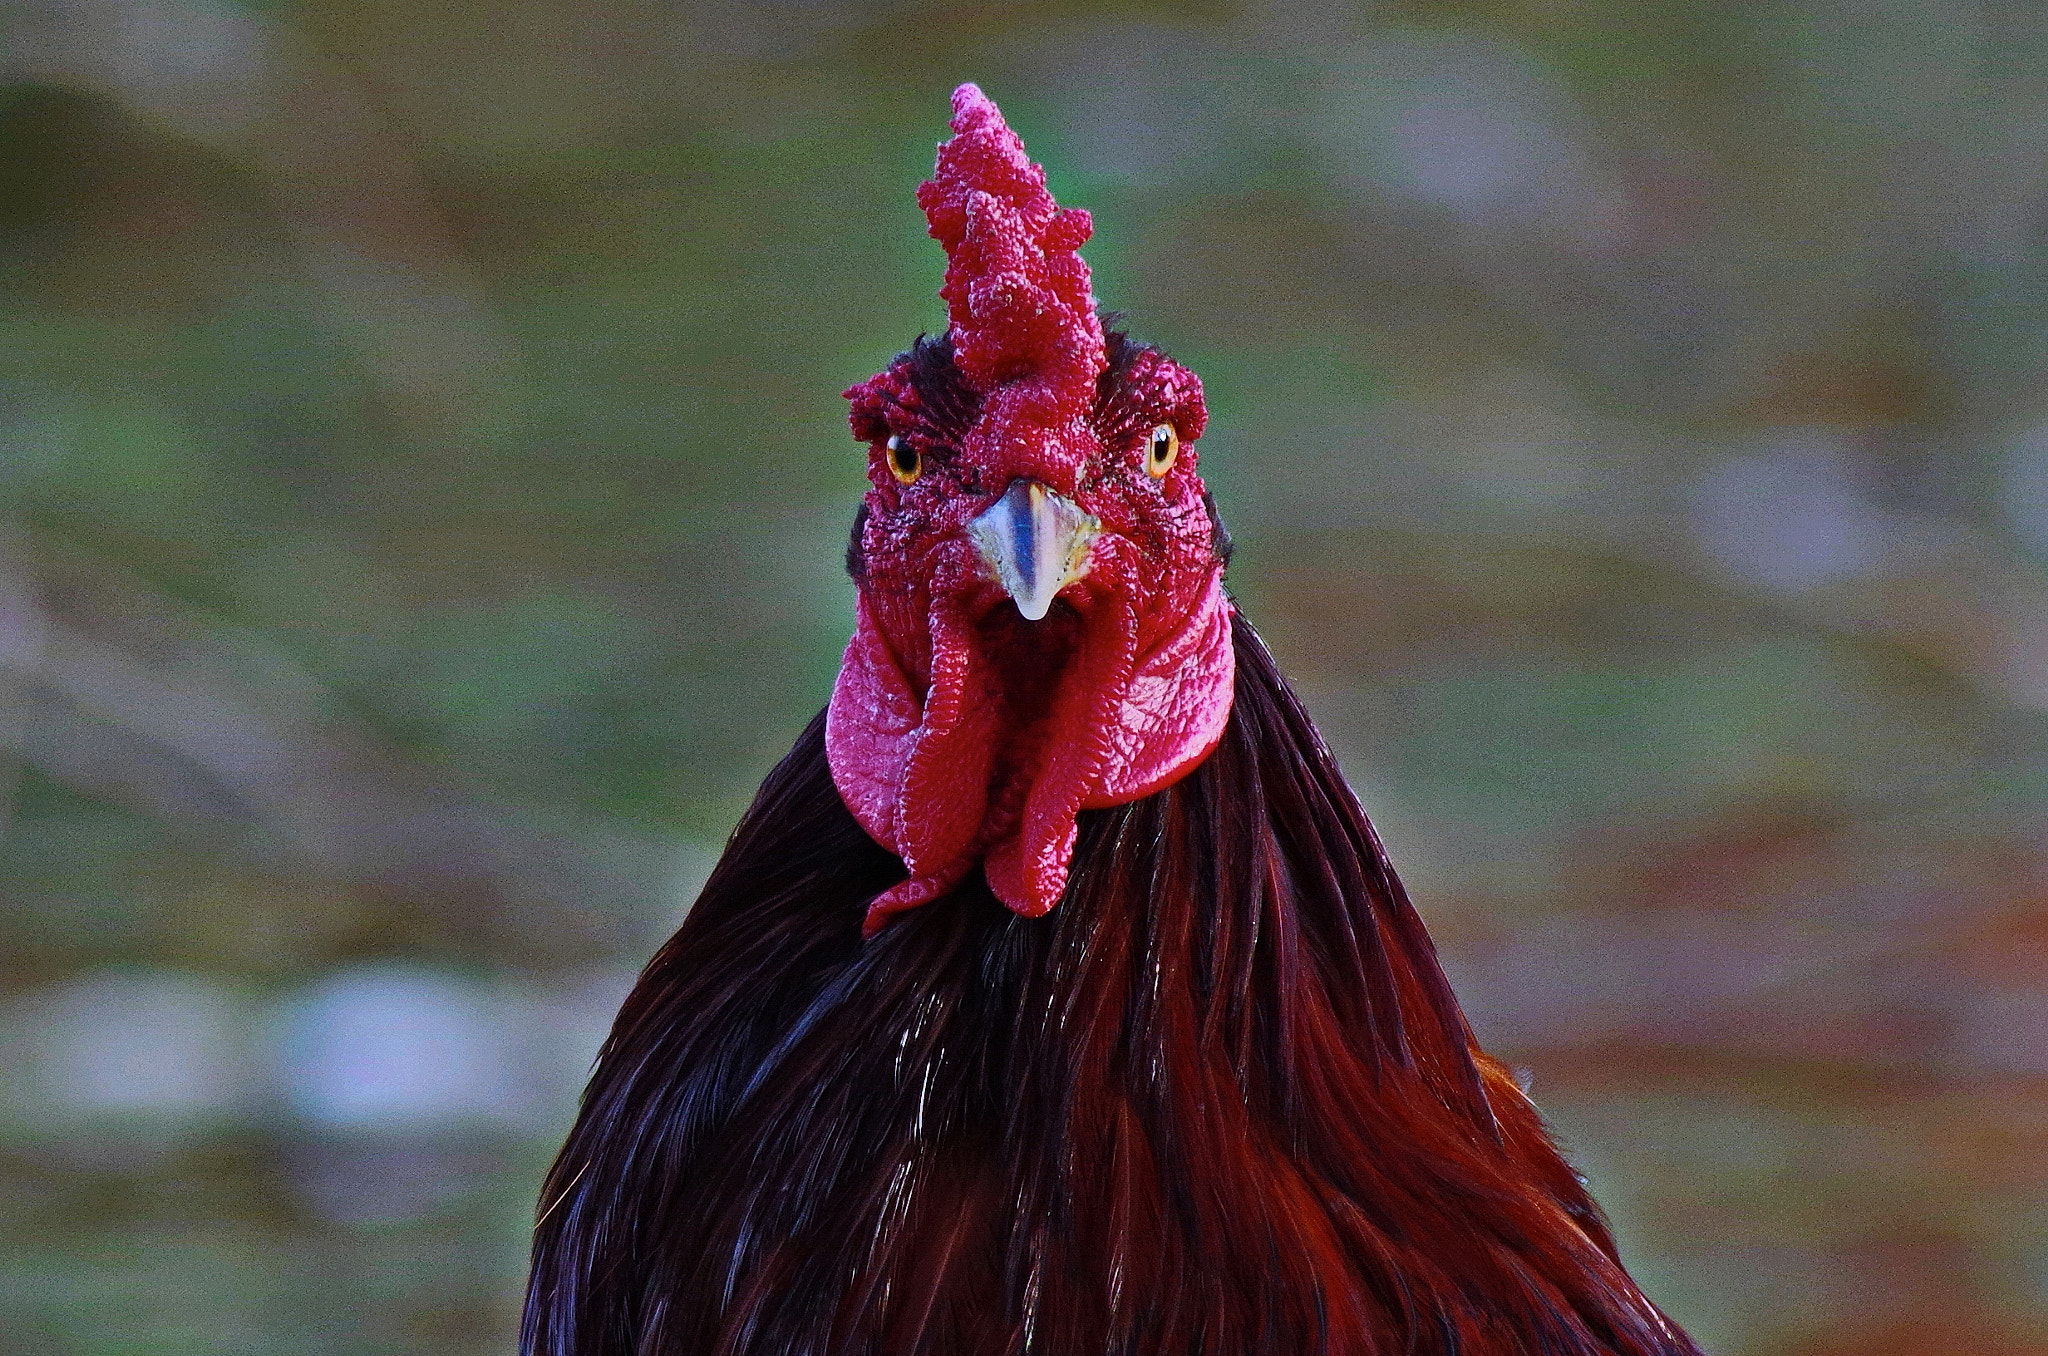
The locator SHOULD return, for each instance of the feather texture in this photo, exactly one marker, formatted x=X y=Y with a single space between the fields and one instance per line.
x=1220 y=1102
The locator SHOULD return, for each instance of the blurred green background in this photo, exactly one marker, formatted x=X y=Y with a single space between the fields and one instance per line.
x=425 y=485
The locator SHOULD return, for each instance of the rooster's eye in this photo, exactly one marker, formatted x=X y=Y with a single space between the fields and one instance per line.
x=1162 y=449
x=904 y=463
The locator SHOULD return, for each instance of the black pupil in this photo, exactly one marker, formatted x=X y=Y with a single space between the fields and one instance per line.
x=904 y=455
x=1159 y=446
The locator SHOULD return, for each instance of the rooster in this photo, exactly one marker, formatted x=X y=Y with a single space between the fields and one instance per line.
x=1055 y=994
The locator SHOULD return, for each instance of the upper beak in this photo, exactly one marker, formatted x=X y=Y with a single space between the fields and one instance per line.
x=1037 y=543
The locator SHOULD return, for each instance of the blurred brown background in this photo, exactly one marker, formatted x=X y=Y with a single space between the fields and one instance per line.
x=425 y=486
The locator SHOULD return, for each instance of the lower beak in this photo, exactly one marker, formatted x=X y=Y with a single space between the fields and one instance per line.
x=1037 y=543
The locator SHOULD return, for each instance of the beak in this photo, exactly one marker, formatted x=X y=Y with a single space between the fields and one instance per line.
x=1036 y=542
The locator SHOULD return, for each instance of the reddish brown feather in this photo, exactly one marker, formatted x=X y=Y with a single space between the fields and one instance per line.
x=1219 y=1102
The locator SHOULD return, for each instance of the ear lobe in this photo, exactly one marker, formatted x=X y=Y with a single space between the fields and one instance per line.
x=1173 y=707
x=868 y=725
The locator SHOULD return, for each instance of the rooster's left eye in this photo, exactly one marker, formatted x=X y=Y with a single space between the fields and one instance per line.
x=904 y=463
x=1162 y=449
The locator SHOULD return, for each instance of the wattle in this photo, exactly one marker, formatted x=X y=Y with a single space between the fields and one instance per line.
x=987 y=758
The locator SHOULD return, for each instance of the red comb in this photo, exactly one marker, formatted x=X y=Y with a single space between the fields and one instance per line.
x=1016 y=289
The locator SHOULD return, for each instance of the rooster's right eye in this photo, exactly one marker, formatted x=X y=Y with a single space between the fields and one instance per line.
x=904 y=463
x=1162 y=449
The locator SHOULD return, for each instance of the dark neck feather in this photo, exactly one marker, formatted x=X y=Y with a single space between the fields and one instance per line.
x=1219 y=1102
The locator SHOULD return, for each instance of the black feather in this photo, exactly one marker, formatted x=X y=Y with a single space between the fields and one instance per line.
x=1220 y=1101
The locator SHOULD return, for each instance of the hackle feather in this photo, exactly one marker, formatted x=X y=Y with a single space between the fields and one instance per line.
x=1220 y=1102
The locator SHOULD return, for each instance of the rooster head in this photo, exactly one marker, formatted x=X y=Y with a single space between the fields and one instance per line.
x=1042 y=626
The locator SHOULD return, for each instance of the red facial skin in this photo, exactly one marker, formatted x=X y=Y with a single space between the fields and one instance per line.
x=959 y=732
